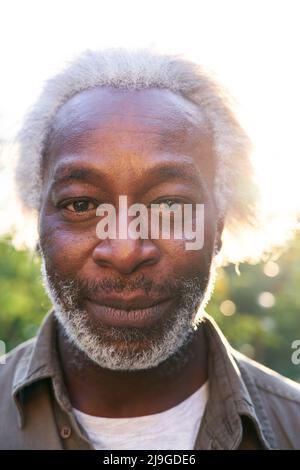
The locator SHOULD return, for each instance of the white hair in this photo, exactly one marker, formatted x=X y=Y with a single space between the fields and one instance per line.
x=234 y=188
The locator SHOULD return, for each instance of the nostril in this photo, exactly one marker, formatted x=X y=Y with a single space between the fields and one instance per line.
x=102 y=263
x=125 y=256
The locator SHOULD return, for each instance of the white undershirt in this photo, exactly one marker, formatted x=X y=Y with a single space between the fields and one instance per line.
x=173 y=429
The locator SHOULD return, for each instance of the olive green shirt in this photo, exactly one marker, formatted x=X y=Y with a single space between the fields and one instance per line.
x=249 y=405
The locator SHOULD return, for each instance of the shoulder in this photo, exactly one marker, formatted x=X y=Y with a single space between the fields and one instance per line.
x=19 y=356
x=275 y=396
x=269 y=381
x=13 y=368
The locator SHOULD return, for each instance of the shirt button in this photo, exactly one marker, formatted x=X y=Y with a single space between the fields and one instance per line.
x=65 y=432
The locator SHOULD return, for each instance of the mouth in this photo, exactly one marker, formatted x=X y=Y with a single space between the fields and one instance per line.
x=135 y=312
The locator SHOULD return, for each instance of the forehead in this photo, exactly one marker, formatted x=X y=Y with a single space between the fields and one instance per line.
x=150 y=122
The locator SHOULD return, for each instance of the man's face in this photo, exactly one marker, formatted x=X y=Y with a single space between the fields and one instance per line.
x=128 y=303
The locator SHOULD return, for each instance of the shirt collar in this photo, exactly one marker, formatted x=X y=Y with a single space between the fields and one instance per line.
x=40 y=361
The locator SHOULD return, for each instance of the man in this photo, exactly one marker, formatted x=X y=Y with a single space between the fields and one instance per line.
x=127 y=358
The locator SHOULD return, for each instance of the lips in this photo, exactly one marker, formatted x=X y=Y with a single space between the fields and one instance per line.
x=138 y=311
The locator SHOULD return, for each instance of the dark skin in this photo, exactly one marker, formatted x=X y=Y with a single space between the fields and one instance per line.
x=126 y=140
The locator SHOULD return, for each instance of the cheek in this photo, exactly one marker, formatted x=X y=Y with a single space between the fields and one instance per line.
x=183 y=262
x=65 y=249
x=187 y=262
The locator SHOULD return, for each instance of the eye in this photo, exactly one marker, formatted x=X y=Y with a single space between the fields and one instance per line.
x=166 y=204
x=79 y=206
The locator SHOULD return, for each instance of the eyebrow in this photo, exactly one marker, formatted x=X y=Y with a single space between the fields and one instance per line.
x=73 y=174
x=168 y=172
x=159 y=174
x=69 y=173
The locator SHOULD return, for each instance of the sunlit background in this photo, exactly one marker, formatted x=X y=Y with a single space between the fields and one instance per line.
x=253 y=48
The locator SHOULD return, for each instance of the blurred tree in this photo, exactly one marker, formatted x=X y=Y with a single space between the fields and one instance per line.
x=23 y=302
x=258 y=310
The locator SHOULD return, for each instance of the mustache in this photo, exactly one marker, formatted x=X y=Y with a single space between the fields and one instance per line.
x=118 y=285
x=83 y=287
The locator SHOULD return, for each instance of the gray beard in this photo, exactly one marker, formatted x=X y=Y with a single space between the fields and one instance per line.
x=129 y=348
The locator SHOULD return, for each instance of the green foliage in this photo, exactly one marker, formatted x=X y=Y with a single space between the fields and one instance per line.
x=264 y=333
x=23 y=302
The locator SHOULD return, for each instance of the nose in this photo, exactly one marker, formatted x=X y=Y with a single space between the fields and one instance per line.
x=125 y=256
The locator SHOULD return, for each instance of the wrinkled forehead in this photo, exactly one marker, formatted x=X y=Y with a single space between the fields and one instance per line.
x=142 y=121
x=156 y=111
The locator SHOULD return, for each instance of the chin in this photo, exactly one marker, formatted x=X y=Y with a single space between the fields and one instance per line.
x=127 y=348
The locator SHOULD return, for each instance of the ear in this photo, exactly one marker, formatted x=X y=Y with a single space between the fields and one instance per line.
x=218 y=238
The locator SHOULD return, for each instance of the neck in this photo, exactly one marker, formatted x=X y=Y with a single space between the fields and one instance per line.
x=104 y=392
